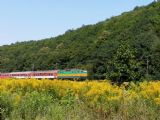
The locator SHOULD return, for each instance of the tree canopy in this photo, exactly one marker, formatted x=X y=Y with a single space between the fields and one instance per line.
x=91 y=47
x=124 y=66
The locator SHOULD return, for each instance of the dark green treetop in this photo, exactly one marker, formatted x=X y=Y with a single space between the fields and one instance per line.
x=124 y=66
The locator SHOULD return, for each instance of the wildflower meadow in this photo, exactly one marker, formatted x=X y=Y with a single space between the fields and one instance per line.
x=31 y=99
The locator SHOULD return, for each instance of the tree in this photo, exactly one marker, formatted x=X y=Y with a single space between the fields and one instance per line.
x=124 y=67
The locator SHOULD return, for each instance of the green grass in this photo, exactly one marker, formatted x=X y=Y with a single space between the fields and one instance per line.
x=43 y=106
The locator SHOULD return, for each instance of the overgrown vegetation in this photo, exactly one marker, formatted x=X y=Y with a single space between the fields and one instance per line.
x=124 y=66
x=92 y=47
x=69 y=100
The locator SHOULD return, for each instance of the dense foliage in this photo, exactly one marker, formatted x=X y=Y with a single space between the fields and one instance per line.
x=92 y=47
x=60 y=100
x=124 y=66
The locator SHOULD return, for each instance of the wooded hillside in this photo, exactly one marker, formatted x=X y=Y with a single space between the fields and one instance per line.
x=94 y=47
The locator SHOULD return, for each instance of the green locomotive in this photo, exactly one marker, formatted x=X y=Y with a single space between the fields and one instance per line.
x=72 y=74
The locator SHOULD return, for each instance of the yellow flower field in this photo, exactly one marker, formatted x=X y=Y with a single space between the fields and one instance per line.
x=88 y=89
x=97 y=94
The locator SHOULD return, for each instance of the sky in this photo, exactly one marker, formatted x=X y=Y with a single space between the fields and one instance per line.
x=22 y=20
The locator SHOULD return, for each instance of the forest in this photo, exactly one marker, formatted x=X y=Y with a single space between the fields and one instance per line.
x=122 y=48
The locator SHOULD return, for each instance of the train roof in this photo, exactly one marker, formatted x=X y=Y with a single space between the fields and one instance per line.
x=45 y=71
x=30 y=72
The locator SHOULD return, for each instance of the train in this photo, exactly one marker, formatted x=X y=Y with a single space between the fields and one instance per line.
x=49 y=74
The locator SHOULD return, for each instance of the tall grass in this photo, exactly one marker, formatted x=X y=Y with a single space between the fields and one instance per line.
x=69 y=100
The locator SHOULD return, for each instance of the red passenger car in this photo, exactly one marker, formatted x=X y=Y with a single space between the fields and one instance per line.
x=31 y=74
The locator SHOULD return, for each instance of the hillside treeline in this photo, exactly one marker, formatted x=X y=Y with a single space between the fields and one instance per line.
x=97 y=48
